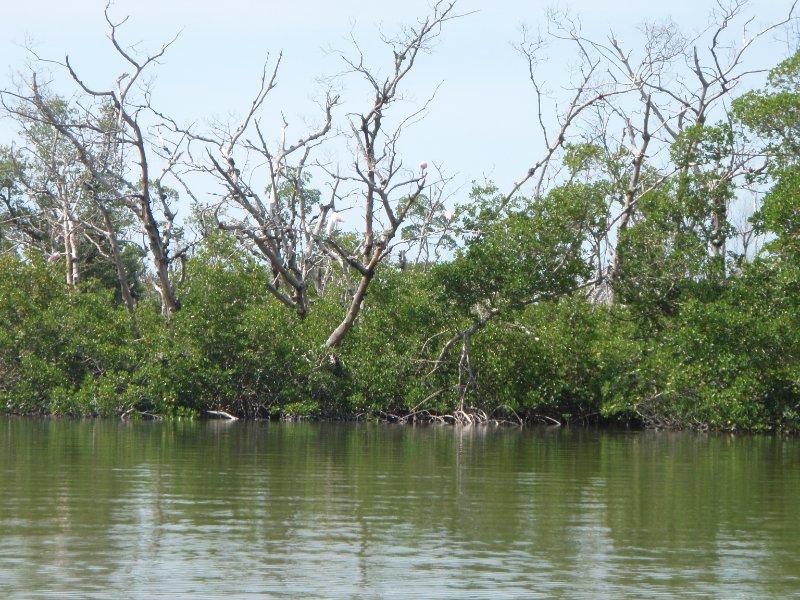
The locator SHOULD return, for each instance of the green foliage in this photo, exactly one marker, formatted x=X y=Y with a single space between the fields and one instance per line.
x=386 y=357
x=726 y=363
x=688 y=342
x=780 y=215
x=657 y=254
x=773 y=114
x=529 y=253
x=727 y=360
x=56 y=344
x=584 y=158
x=545 y=362
x=101 y=272
x=231 y=347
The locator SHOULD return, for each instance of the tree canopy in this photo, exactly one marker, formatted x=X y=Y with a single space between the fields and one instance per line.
x=643 y=269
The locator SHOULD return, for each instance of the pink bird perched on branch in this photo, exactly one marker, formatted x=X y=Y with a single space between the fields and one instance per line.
x=53 y=257
x=423 y=165
x=332 y=220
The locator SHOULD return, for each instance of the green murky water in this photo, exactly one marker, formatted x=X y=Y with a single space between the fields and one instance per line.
x=103 y=509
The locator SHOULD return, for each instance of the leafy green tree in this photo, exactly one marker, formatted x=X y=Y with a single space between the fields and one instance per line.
x=517 y=256
x=772 y=116
x=430 y=232
x=526 y=254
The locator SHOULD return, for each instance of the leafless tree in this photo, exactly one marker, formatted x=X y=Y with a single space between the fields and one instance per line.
x=273 y=214
x=108 y=133
x=388 y=188
x=276 y=216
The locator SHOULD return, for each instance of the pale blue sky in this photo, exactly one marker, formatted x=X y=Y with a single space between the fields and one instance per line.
x=481 y=122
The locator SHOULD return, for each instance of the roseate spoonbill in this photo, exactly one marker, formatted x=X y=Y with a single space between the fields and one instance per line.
x=332 y=220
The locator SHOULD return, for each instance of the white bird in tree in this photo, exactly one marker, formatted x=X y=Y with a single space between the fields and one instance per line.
x=448 y=215
x=332 y=221
x=423 y=165
x=162 y=143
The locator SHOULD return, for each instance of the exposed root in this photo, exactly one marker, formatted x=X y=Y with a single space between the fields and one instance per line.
x=518 y=419
x=551 y=420
x=462 y=416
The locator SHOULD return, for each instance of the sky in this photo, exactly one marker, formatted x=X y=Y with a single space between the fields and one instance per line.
x=481 y=123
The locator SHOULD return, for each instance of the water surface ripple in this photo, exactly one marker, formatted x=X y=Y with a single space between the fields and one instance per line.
x=99 y=509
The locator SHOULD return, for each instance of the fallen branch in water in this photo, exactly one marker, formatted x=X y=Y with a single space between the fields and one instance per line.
x=222 y=413
x=143 y=413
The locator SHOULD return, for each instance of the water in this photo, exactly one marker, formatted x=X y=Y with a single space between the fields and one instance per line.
x=104 y=509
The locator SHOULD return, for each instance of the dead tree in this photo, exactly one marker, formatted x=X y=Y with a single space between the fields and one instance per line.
x=267 y=206
x=272 y=213
x=110 y=139
x=388 y=189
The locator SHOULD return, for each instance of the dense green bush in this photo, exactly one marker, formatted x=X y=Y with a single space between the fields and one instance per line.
x=724 y=357
x=543 y=363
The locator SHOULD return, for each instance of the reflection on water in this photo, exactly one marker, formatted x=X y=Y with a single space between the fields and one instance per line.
x=100 y=509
